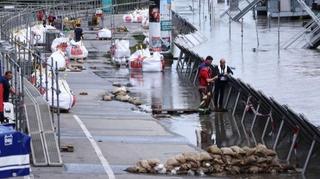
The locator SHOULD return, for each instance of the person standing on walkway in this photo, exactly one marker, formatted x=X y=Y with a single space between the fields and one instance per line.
x=78 y=33
x=5 y=89
x=206 y=79
x=223 y=72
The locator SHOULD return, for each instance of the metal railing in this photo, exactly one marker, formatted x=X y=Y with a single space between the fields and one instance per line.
x=261 y=119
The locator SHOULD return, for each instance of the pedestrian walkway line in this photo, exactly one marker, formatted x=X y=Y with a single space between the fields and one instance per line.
x=96 y=148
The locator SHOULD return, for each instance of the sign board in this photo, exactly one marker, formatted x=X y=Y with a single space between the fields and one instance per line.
x=166 y=25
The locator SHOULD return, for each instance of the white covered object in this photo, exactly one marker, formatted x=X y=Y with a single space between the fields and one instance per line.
x=104 y=33
x=8 y=110
x=145 y=22
x=58 y=41
x=59 y=58
x=143 y=60
x=82 y=53
x=136 y=16
x=127 y=18
x=22 y=35
x=66 y=98
x=122 y=48
x=146 y=41
x=153 y=63
x=39 y=32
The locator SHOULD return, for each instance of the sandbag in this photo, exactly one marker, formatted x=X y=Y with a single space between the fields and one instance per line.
x=104 y=33
x=77 y=50
x=58 y=58
x=153 y=64
x=122 y=49
x=23 y=35
x=66 y=97
x=58 y=41
x=40 y=32
x=127 y=18
x=145 y=22
x=137 y=18
x=8 y=111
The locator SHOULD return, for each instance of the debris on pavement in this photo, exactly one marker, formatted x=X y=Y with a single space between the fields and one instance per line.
x=120 y=93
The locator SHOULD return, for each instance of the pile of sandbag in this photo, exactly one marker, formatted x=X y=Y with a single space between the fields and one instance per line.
x=223 y=161
x=143 y=60
x=121 y=94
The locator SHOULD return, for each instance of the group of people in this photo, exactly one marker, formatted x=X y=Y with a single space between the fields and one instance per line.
x=212 y=77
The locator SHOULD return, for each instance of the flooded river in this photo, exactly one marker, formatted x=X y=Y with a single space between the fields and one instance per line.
x=291 y=78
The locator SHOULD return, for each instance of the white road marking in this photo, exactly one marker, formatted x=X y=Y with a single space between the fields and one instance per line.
x=96 y=148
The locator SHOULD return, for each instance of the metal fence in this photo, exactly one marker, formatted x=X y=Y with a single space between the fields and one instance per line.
x=123 y=6
x=262 y=119
x=181 y=25
x=24 y=57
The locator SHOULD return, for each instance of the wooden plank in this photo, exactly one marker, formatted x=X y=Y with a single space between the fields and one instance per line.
x=174 y=111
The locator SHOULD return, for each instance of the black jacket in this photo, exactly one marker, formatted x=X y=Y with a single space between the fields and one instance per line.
x=221 y=75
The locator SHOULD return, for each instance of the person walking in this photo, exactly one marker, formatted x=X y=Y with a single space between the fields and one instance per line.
x=206 y=78
x=223 y=71
x=78 y=33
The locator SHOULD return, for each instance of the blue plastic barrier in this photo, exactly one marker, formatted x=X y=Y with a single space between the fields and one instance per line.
x=14 y=153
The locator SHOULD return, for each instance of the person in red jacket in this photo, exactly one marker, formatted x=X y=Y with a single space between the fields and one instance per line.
x=206 y=79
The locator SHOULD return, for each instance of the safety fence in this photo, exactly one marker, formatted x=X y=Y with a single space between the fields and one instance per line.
x=36 y=77
x=123 y=6
x=262 y=119
x=181 y=25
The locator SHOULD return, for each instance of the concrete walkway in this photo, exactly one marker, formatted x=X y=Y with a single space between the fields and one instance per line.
x=120 y=135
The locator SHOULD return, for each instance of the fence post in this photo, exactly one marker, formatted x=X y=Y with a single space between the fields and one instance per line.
x=52 y=90
x=58 y=107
